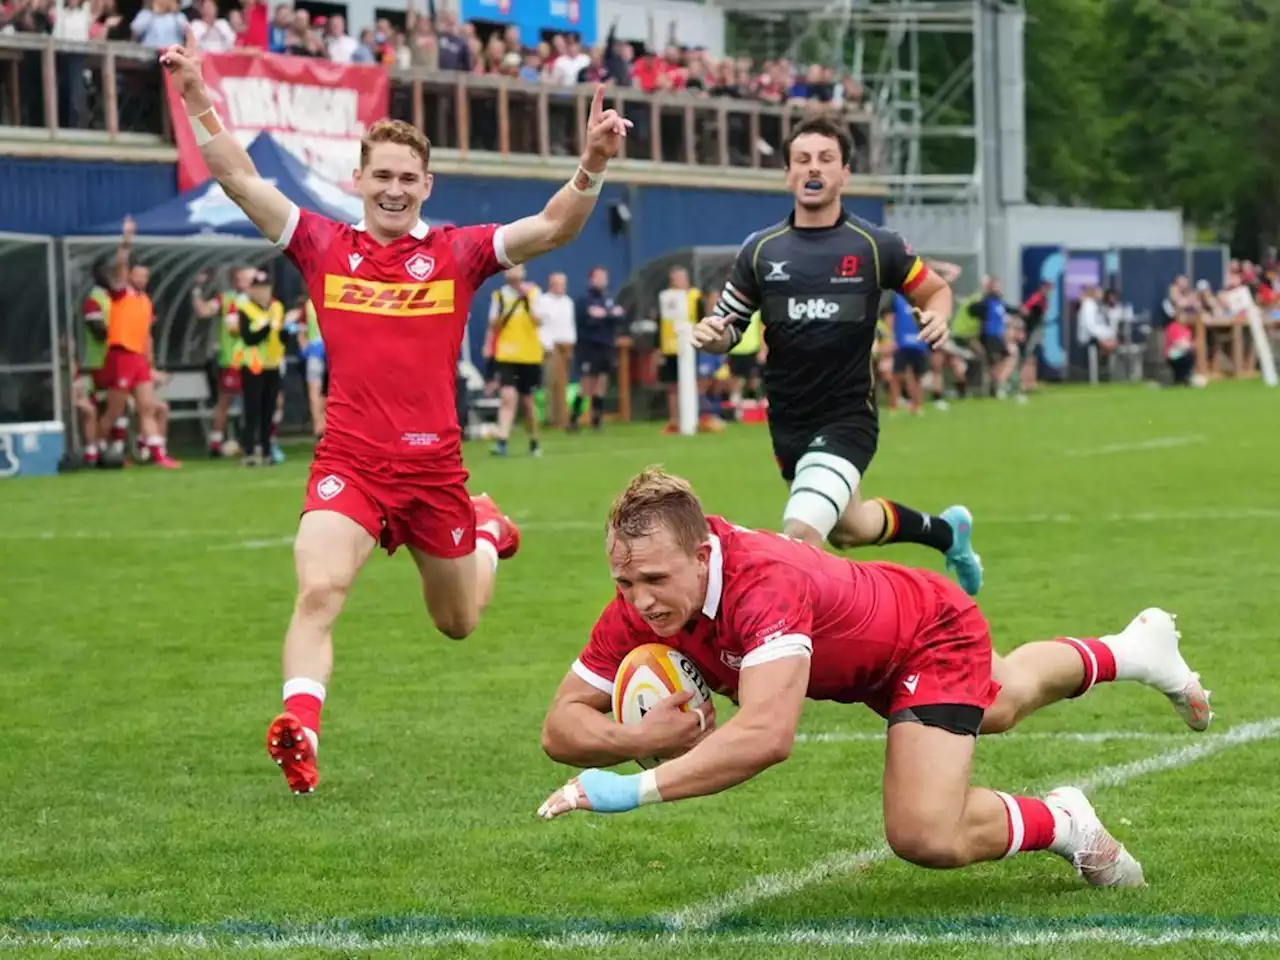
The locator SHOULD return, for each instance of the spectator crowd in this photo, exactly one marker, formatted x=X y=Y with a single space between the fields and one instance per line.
x=436 y=40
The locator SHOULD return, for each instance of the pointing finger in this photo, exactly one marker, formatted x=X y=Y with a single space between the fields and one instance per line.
x=597 y=104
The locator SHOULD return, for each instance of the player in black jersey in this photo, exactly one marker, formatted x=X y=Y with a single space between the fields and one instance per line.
x=817 y=279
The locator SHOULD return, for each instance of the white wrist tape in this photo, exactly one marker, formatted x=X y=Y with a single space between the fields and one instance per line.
x=587 y=183
x=649 y=788
x=207 y=126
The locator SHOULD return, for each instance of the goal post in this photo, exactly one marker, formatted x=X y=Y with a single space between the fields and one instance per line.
x=1240 y=302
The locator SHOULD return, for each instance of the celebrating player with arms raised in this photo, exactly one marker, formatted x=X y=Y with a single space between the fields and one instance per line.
x=772 y=621
x=393 y=298
x=817 y=280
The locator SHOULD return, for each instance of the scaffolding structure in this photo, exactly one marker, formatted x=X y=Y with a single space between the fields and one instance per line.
x=878 y=42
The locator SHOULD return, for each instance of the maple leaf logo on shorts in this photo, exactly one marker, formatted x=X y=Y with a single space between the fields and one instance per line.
x=329 y=487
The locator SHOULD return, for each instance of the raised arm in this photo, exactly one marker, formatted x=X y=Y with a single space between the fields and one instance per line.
x=268 y=208
x=562 y=219
x=120 y=279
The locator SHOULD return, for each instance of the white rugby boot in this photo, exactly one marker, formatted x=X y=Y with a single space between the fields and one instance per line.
x=1147 y=651
x=1097 y=856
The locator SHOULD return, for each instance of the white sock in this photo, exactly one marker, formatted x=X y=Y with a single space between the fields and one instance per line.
x=1061 y=831
x=487 y=549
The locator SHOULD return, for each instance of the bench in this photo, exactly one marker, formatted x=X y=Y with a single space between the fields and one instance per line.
x=187 y=394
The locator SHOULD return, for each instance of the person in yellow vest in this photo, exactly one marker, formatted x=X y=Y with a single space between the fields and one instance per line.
x=262 y=333
x=746 y=363
x=221 y=308
x=518 y=354
x=680 y=303
x=90 y=385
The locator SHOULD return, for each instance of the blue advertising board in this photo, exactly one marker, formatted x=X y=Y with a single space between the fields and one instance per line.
x=534 y=16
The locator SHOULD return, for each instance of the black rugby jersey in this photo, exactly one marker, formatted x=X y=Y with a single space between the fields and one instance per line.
x=818 y=290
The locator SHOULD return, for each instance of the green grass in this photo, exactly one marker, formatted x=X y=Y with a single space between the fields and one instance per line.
x=139 y=665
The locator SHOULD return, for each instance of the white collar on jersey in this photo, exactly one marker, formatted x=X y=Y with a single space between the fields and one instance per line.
x=418 y=231
x=715 y=578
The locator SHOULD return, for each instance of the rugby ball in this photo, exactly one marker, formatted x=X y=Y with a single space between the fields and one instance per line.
x=649 y=674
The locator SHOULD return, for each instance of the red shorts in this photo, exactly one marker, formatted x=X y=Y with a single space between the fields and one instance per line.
x=99 y=378
x=229 y=380
x=950 y=662
x=428 y=509
x=123 y=369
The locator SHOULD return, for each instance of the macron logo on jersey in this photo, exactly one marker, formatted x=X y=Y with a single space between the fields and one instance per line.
x=355 y=260
x=457 y=535
x=911 y=683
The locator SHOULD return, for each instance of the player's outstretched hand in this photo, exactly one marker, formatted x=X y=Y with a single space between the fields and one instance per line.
x=598 y=791
x=605 y=132
x=670 y=731
x=708 y=330
x=183 y=63
x=934 y=329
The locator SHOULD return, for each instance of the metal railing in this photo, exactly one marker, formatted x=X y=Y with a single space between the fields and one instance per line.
x=113 y=92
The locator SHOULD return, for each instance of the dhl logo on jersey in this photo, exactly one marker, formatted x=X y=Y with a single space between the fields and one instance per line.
x=388 y=299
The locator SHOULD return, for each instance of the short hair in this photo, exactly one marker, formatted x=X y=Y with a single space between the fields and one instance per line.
x=655 y=499
x=395 y=131
x=823 y=126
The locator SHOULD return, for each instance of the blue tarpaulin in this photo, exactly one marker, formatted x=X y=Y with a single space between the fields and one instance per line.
x=207 y=210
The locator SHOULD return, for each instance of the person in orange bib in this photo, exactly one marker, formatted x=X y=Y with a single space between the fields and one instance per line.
x=127 y=368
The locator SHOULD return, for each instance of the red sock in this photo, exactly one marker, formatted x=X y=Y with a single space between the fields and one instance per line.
x=1031 y=825
x=304 y=699
x=157 y=449
x=118 y=434
x=1099 y=662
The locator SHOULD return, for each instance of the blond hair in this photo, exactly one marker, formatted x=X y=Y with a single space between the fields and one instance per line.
x=655 y=499
x=395 y=131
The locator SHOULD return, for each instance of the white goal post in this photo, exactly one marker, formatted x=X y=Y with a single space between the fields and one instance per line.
x=1240 y=301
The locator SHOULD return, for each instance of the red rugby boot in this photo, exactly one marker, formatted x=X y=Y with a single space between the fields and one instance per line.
x=291 y=749
x=508 y=533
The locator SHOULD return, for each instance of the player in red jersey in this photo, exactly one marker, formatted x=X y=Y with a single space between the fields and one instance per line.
x=770 y=621
x=392 y=298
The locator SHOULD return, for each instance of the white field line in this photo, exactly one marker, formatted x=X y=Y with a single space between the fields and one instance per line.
x=258 y=539
x=1059 y=736
x=357 y=942
x=1135 y=446
x=699 y=916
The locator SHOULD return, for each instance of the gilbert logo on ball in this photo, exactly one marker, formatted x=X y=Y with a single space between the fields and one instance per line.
x=648 y=675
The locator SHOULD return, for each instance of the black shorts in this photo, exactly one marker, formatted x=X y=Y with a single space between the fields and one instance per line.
x=593 y=359
x=744 y=365
x=917 y=361
x=853 y=439
x=669 y=372
x=525 y=377
x=995 y=347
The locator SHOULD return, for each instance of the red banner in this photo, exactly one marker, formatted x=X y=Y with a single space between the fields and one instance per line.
x=317 y=110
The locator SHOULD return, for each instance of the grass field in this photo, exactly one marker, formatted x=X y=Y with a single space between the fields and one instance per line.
x=139 y=666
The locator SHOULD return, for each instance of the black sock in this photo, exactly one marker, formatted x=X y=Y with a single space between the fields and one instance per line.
x=597 y=411
x=577 y=409
x=904 y=525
